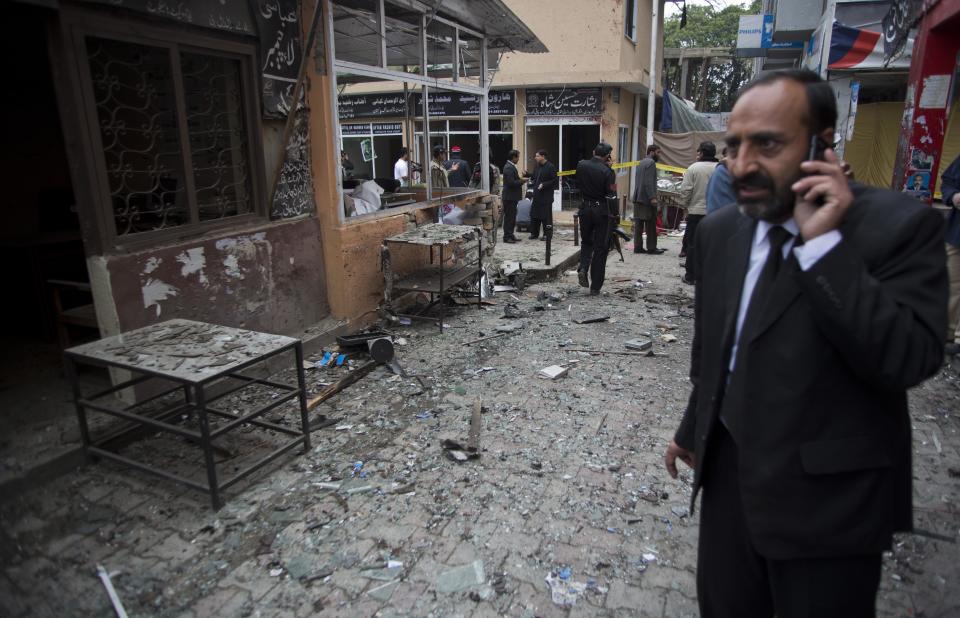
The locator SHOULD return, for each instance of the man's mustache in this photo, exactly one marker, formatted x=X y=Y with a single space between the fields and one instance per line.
x=755 y=180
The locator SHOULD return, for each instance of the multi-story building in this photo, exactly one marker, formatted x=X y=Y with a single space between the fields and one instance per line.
x=592 y=84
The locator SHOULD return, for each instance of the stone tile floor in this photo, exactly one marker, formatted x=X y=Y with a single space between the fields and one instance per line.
x=376 y=520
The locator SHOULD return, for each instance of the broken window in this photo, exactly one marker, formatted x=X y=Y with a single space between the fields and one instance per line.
x=174 y=135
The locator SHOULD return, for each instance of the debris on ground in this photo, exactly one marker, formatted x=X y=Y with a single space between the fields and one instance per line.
x=375 y=519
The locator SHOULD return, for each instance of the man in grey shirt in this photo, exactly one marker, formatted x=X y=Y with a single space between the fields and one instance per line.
x=645 y=202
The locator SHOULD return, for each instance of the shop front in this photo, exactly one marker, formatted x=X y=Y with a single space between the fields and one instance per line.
x=374 y=146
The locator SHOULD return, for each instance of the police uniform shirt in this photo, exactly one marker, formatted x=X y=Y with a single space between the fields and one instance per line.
x=596 y=180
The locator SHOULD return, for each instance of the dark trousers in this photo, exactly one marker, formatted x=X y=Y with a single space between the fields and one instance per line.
x=734 y=581
x=644 y=221
x=509 y=218
x=535 y=224
x=595 y=246
x=688 y=236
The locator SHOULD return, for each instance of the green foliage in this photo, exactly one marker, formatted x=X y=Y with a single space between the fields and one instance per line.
x=708 y=27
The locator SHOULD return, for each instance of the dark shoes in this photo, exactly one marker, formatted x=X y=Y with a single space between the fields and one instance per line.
x=656 y=251
x=594 y=292
x=533 y=237
x=687 y=280
x=510 y=239
x=640 y=250
x=582 y=278
x=683 y=254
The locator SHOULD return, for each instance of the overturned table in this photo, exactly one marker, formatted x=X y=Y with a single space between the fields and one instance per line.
x=203 y=362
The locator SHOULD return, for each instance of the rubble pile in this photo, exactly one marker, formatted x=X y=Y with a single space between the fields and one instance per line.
x=459 y=483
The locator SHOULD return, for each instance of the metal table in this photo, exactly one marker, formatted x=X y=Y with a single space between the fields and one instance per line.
x=438 y=278
x=195 y=358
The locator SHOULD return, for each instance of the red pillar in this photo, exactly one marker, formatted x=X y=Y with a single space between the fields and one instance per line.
x=925 y=112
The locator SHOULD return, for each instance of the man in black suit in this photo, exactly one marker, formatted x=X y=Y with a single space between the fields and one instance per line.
x=543 y=183
x=811 y=323
x=512 y=193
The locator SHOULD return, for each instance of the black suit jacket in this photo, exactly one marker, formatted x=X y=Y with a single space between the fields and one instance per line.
x=543 y=198
x=817 y=403
x=512 y=183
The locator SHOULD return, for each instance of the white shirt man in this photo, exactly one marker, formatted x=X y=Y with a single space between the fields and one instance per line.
x=401 y=169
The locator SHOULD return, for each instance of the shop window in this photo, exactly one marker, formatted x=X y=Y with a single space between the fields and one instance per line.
x=464 y=126
x=173 y=127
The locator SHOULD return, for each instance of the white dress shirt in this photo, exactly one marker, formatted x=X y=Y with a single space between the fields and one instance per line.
x=400 y=169
x=807 y=254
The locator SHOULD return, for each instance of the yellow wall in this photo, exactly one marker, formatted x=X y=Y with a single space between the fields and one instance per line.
x=585 y=41
x=873 y=149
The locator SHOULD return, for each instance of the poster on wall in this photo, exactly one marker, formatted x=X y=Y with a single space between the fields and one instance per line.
x=294 y=195
x=366 y=149
x=918 y=184
x=564 y=102
x=280 y=54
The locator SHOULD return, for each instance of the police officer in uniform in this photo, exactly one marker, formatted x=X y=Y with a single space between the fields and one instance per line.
x=598 y=185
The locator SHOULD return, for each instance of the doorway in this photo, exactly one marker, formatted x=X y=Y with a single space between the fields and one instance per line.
x=566 y=142
x=43 y=258
x=578 y=142
x=542 y=137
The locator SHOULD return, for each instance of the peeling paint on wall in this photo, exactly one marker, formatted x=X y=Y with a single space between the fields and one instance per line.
x=193 y=261
x=270 y=281
x=152 y=264
x=242 y=249
x=232 y=267
x=155 y=291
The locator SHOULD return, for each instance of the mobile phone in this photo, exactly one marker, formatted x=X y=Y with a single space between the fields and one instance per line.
x=817 y=148
x=815 y=153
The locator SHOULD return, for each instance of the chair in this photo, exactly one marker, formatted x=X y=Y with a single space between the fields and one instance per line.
x=82 y=315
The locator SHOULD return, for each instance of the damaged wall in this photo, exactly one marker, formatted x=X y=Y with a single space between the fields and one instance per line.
x=269 y=279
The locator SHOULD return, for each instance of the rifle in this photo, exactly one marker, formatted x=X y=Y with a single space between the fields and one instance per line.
x=616 y=233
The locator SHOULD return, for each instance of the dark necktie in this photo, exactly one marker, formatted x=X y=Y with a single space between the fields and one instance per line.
x=733 y=397
x=777 y=236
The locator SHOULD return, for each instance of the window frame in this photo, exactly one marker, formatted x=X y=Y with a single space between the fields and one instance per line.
x=426 y=84
x=630 y=22
x=80 y=24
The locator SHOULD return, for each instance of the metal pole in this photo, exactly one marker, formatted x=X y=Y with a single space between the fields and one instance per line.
x=425 y=95
x=652 y=90
x=548 y=234
x=484 y=120
x=70 y=369
x=302 y=388
x=205 y=442
x=382 y=32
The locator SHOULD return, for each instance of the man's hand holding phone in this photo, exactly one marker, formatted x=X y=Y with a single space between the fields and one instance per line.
x=823 y=196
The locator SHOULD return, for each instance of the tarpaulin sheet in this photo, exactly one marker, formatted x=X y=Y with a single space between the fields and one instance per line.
x=678 y=117
x=680 y=149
